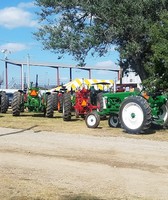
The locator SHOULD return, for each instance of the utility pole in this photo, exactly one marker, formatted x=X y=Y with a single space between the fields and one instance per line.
x=121 y=71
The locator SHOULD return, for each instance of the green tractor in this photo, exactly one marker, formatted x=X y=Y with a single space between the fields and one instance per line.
x=133 y=111
x=33 y=101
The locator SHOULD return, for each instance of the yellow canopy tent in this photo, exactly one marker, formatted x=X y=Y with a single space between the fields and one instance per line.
x=79 y=82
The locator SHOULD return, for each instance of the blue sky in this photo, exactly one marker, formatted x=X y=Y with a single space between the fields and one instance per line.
x=18 y=21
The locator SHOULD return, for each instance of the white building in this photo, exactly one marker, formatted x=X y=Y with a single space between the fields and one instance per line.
x=131 y=78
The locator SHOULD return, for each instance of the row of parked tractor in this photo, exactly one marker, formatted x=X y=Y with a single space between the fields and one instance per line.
x=134 y=111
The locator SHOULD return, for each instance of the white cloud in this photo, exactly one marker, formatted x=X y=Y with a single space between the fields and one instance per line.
x=26 y=5
x=109 y=64
x=14 y=17
x=13 y=47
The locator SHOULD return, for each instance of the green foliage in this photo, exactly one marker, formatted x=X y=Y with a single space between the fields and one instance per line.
x=78 y=27
x=157 y=66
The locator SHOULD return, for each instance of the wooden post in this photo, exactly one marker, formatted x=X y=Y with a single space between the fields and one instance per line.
x=70 y=77
x=89 y=73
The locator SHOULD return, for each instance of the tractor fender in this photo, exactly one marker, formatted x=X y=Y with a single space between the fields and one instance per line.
x=48 y=93
x=21 y=91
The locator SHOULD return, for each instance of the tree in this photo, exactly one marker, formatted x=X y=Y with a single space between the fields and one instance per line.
x=157 y=66
x=78 y=27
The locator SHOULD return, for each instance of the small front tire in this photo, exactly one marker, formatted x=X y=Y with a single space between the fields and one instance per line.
x=92 y=120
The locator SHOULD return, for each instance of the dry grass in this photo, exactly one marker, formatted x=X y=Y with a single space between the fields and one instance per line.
x=37 y=123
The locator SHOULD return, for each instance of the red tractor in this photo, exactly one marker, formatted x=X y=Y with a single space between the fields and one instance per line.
x=79 y=102
x=58 y=99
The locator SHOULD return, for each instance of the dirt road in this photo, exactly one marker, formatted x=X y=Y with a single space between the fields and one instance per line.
x=49 y=166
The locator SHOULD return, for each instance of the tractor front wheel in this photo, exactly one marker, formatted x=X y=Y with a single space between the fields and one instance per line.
x=113 y=121
x=92 y=120
x=164 y=114
x=135 y=114
x=66 y=107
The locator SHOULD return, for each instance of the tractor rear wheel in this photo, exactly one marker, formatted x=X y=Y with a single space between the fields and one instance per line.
x=92 y=120
x=55 y=101
x=16 y=102
x=113 y=121
x=67 y=107
x=4 y=102
x=135 y=114
x=49 y=107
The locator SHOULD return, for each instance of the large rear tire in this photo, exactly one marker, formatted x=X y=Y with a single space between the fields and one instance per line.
x=135 y=115
x=55 y=101
x=67 y=107
x=16 y=103
x=4 y=102
x=49 y=107
x=92 y=120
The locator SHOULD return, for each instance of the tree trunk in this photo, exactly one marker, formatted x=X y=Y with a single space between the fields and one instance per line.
x=139 y=69
x=142 y=73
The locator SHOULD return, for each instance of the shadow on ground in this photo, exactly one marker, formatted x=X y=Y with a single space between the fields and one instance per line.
x=65 y=197
x=80 y=197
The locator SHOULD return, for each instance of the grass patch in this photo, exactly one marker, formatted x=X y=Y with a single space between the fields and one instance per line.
x=37 y=122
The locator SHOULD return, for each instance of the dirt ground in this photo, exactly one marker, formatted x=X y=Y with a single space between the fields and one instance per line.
x=48 y=159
